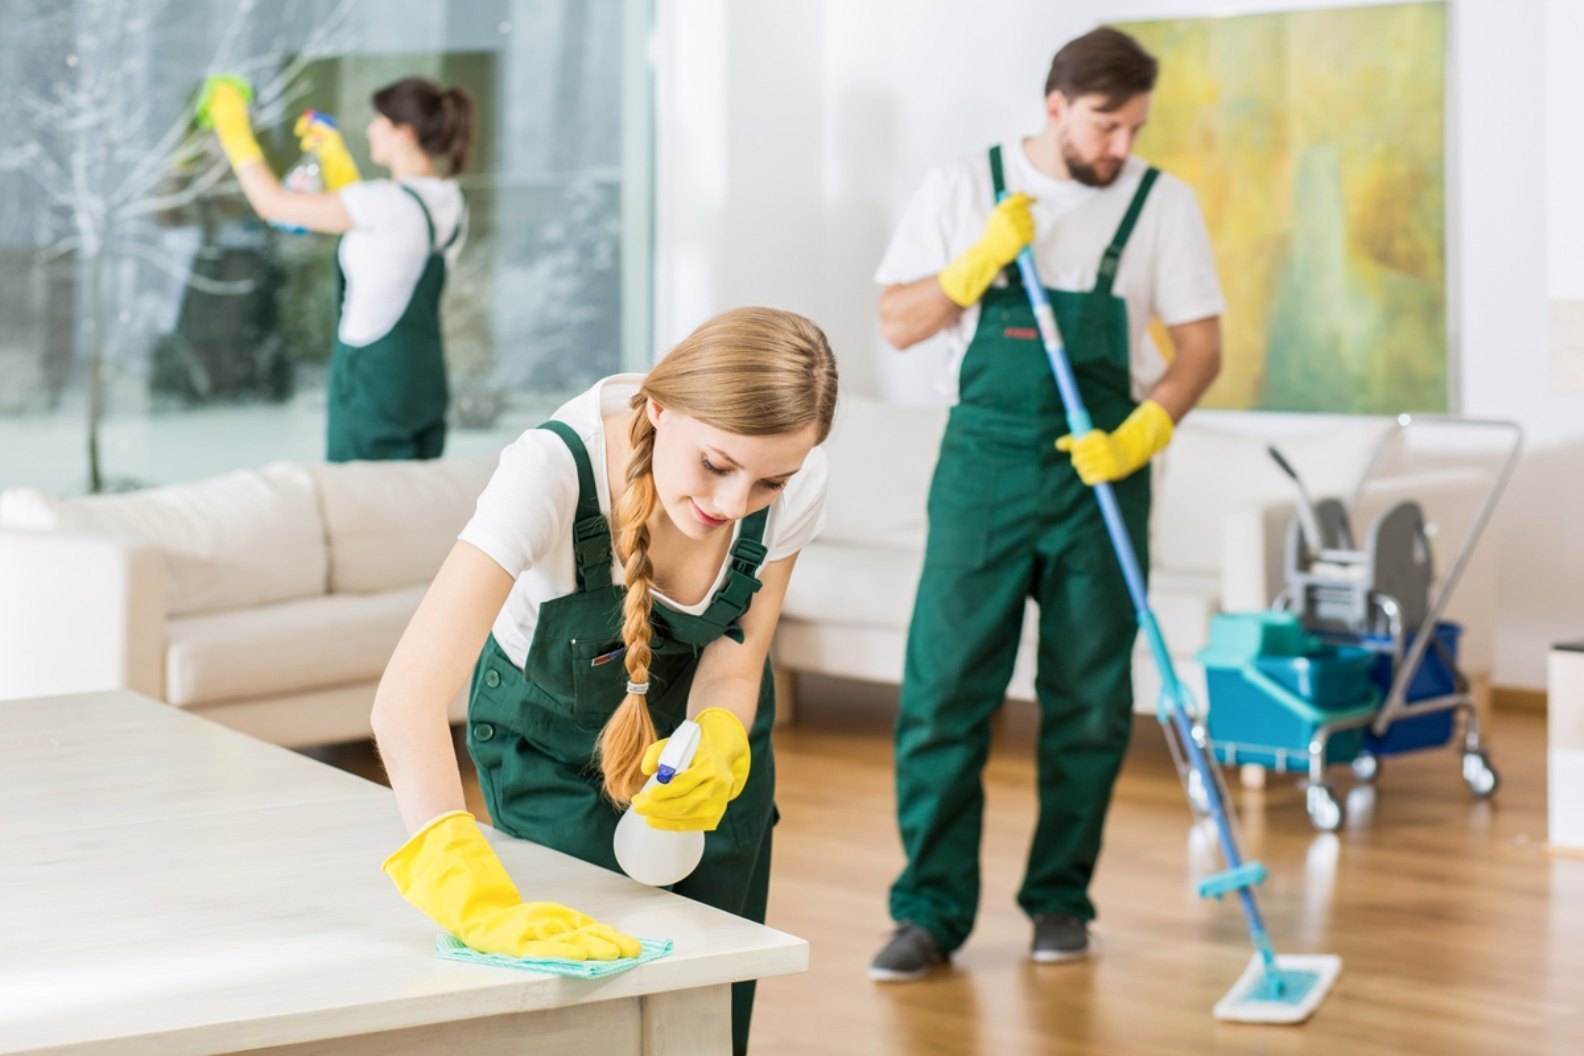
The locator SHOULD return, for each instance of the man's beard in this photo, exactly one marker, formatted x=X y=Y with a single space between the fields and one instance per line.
x=1090 y=175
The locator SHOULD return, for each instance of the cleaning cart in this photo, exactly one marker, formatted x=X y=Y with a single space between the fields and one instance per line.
x=1354 y=663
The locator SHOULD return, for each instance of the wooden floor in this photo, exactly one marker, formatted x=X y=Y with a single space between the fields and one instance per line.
x=1459 y=932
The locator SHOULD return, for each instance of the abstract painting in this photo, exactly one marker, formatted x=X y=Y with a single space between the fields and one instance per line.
x=1315 y=141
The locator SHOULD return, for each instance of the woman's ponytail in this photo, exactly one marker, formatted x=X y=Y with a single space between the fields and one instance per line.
x=441 y=119
x=456 y=133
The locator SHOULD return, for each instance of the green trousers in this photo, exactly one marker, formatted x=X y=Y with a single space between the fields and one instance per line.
x=1043 y=540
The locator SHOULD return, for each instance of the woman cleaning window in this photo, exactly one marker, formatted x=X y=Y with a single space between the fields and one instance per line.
x=387 y=389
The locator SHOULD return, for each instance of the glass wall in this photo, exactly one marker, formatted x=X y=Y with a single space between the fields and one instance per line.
x=152 y=329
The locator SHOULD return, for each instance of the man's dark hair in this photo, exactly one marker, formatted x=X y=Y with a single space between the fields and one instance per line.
x=1106 y=62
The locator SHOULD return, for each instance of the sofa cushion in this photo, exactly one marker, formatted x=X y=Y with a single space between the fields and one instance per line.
x=391 y=524
x=850 y=583
x=290 y=646
x=1207 y=472
x=244 y=538
x=874 y=586
x=881 y=461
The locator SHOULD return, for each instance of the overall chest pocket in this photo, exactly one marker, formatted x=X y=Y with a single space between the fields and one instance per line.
x=1094 y=328
x=599 y=680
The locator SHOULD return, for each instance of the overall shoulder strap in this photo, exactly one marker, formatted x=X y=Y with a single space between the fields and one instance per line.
x=428 y=220
x=742 y=579
x=461 y=226
x=997 y=188
x=591 y=537
x=1113 y=253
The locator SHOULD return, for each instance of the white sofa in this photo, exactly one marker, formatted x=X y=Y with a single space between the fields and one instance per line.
x=268 y=600
x=1217 y=537
x=271 y=599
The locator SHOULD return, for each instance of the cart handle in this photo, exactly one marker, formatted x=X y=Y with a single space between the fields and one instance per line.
x=1422 y=640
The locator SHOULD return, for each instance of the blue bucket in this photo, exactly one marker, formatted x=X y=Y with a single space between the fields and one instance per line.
x=1433 y=678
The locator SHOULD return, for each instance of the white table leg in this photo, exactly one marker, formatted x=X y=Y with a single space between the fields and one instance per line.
x=688 y=1022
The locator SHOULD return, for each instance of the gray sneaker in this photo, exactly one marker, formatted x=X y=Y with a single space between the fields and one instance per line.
x=907 y=956
x=1058 y=937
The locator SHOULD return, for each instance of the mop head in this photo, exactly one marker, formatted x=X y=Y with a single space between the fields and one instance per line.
x=1305 y=981
x=450 y=948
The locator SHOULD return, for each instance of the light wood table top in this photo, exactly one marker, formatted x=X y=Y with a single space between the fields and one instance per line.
x=170 y=886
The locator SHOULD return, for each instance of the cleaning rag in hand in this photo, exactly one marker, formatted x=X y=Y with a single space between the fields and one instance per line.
x=453 y=949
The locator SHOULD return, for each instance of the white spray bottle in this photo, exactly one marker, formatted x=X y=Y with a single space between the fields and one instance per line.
x=306 y=176
x=654 y=856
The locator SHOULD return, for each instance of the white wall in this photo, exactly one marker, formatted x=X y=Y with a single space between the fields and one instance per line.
x=791 y=135
x=1565 y=146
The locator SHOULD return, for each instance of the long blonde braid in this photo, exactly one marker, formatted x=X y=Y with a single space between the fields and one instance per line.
x=631 y=729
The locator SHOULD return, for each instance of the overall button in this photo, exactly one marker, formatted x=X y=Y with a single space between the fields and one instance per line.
x=492 y=678
x=483 y=731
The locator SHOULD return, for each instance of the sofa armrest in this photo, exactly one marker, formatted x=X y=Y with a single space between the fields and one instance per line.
x=1253 y=539
x=80 y=613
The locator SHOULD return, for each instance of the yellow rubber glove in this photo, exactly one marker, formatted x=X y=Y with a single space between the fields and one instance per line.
x=1101 y=456
x=318 y=133
x=695 y=800
x=222 y=105
x=450 y=872
x=1009 y=229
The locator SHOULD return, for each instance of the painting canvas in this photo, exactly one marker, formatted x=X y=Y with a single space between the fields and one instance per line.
x=1315 y=141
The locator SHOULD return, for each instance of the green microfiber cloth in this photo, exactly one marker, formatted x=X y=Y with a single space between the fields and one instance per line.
x=452 y=949
x=201 y=104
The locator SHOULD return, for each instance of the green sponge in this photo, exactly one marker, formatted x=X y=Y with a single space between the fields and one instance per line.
x=201 y=104
x=451 y=948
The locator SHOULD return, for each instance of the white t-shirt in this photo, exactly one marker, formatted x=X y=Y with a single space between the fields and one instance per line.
x=524 y=516
x=383 y=255
x=1167 y=268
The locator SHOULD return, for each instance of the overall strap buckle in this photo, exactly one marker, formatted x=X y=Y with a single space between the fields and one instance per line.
x=736 y=594
x=748 y=555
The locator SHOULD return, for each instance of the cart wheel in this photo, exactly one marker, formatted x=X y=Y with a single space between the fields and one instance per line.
x=1366 y=767
x=1480 y=776
x=1324 y=810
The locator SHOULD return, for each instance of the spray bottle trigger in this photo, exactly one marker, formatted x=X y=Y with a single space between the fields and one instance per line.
x=678 y=754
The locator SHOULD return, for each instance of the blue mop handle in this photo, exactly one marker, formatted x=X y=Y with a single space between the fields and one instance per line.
x=1080 y=423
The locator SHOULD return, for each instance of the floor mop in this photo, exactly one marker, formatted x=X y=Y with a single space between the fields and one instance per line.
x=1272 y=989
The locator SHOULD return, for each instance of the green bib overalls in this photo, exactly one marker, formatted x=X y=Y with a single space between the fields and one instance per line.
x=387 y=399
x=1009 y=520
x=532 y=731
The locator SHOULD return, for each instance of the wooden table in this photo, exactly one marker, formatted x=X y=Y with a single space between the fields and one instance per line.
x=169 y=886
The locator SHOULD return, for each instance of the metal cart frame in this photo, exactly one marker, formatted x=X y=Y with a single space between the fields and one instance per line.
x=1324 y=809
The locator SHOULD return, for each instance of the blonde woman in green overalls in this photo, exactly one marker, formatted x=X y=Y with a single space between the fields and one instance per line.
x=387 y=390
x=624 y=570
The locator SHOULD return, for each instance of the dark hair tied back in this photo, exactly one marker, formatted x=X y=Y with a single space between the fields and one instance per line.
x=441 y=118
